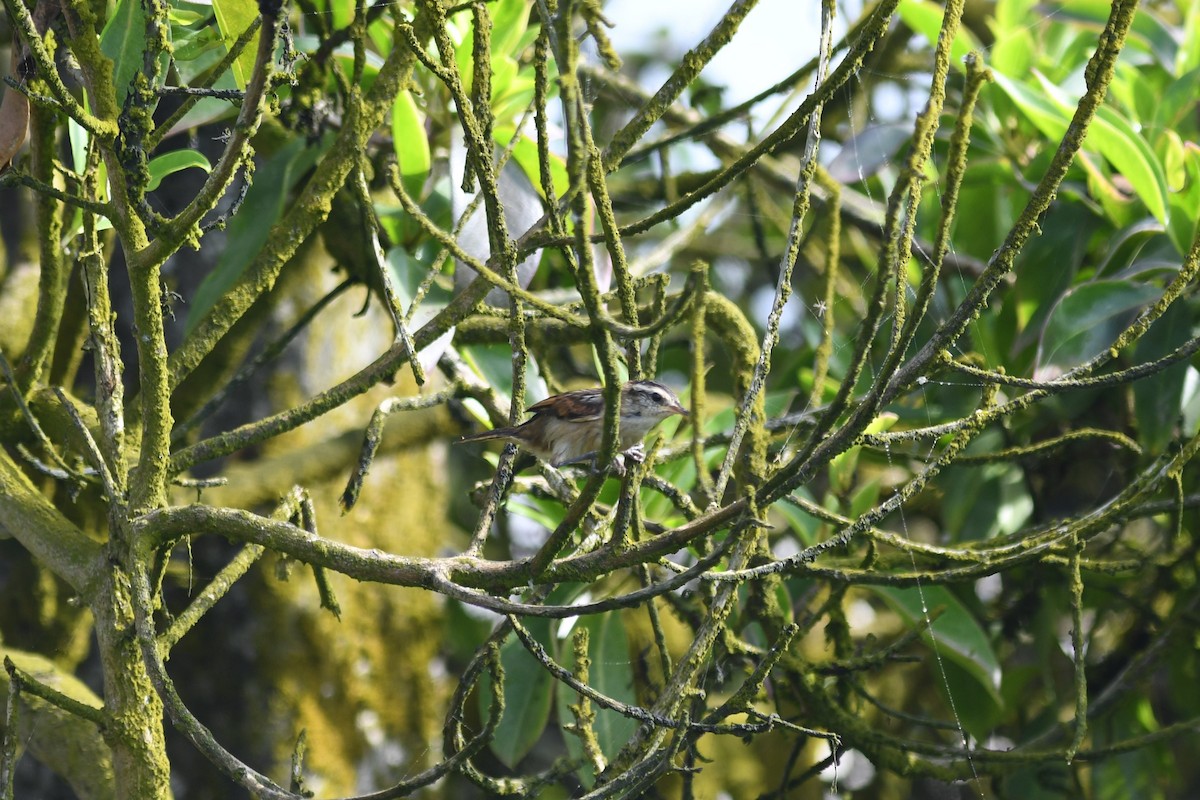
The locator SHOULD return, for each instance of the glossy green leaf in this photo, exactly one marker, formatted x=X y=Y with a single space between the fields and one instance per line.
x=1158 y=399
x=504 y=73
x=986 y=500
x=407 y=274
x=1086 y=322
x=191 y=45
x=1114 y=137
x=342 y=13
x=926 y=19
x=804 y=525
x=1013 y=53
x=1046 y=268
x=978 y=712
x=462 y=35
x=517 y=93
x=195 y=53
x=1185 y=201
x=1125 y=246
x=79 y=138
x=1011 y=16
x=410 y=143
x=175 y=161
x=494 y=364
x=249 y=229
x=234 y=17
x=1148 y=32
x=123 y=40
x=1045 y=115
x=611 y=674
x=525 y=154
x=381 y=35
x=864 y=498
x=184 y=17
x=528 y=695
x=510 y=18
x=656 y=506
x=1137 y=773
x=842 y=466
x=1188 y=57
x=957 y=634
x=543 y=512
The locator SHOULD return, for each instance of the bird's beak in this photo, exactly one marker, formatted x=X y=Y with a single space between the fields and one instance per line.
x=681 y=411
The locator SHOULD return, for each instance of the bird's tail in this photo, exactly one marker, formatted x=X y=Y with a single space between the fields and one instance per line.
x=484 y=436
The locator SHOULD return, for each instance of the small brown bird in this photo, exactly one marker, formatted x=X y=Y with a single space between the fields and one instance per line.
x=568 y=427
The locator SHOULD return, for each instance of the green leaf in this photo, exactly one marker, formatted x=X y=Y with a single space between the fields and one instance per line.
x=1191 y=402
x=528 y=694
x=1111 y=134
x=1175 y=107
x=1147 y=33
x=249 y=229
x=504 y=73
x=1115 y=138
x=1138 y=773
x=410 y=143
x=1185 y=202
x=407 y=273
x=1047 y=117
x=185 y=17
x=1125 y=245
x=525 y=154
x=926 y=18
x=79 y=138
x=1013 y=52
x=175 y=161
x=978 y=712
x=1046 y=268
x=191 y=45
x=195 y=53
x=864 y=498
x=494 y=364
x=611 y=674
x=804 y=525
x=842 y=466
x=234 y=17
x=123 y=40
x=544 y=512
x=957 y=634
x=381 y=35
x=984 y=501
x=510 y=18
x=1086 y=321
x=342 y=12
x=1188 y=57
x=1158 y=399
x=656 y=506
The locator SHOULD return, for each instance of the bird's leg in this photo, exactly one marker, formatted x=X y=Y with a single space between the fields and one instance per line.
x=636 y=454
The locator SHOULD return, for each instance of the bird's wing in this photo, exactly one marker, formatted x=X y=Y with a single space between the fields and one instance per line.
x=581 y=405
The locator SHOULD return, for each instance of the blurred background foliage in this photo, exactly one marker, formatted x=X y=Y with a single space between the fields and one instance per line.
x=932 y=632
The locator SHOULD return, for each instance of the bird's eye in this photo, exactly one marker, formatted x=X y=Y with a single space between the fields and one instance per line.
x=648 y=394
x=653 y=393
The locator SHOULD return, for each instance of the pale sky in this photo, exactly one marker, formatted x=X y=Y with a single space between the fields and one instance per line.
x=775 y=38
